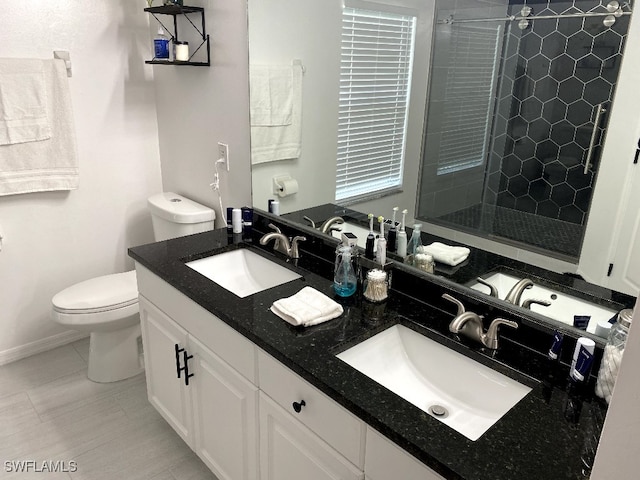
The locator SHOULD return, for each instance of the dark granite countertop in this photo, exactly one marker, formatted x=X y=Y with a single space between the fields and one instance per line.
x=545 y=436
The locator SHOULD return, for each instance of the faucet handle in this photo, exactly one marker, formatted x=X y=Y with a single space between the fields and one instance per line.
x=527 y=303
x=274 y=228
x=313 y=224
x=491 y=337
x=295 y=253
x=457 y=302
x=493 y=290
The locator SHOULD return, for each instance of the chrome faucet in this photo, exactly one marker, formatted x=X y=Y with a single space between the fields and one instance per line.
x=527 y=303
x=493 y=290
x=329 y=224
x=469 y=324
x=281 y=242
x=516 y=291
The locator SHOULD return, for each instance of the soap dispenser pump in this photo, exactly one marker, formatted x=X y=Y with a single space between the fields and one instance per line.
x=344 y=277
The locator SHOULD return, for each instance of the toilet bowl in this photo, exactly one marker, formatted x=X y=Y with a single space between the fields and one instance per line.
x=107 y=306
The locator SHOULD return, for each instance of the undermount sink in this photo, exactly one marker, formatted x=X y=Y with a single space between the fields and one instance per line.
x=242 y=271
x=563 y=306
x=460 y=392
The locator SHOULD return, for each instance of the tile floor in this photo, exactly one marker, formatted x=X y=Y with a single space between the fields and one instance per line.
x=50 y=411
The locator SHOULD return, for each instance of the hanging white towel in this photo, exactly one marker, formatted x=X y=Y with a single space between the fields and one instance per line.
x=271 y=93
x=276 y=130
x=23 y=102
x=50 y=164
x=445 y=253
x=307 y=307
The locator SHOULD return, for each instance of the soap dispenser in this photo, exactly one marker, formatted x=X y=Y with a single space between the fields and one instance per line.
x=344 y=277
x=414 y=243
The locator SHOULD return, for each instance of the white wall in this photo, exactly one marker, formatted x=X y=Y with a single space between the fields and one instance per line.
x=310 y=30
x=200 y=106
x=53 y=240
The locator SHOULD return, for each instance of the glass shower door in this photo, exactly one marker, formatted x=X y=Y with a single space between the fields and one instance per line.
x=558 y=69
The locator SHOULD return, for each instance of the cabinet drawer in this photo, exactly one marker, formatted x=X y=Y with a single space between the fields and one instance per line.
x=331 y=422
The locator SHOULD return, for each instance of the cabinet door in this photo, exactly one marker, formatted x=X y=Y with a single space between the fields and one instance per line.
x=225 y=416
x=290 y=451
x=166 y=392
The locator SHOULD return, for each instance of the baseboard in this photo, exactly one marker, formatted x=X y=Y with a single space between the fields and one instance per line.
x=39 y=346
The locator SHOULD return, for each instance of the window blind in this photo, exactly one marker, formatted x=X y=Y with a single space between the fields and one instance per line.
x=469 y=94
x=375 y=76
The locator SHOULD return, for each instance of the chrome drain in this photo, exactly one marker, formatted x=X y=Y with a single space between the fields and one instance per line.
x=438 y=411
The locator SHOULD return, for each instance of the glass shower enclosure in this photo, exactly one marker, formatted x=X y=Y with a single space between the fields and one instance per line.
x=518 y=102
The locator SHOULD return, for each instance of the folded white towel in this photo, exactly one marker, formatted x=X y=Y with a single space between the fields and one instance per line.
x=23 y=101
x=270 y=143
x=49 y=164
x=445 y=253
x=271 y=94
x=307 y=307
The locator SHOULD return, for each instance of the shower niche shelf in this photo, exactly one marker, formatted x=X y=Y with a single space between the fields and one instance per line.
x=177 y=11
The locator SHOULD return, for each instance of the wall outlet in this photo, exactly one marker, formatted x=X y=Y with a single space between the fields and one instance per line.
x=223 y=153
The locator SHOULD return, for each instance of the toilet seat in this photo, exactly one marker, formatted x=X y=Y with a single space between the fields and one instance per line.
x=103 y=304
x=100 y=294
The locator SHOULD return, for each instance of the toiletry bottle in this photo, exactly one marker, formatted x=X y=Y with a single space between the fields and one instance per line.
x=402 y=237
x=371 y=238
x=391 y=238
x=275 y=207
x=344 y=277
x=612 y=355
x=236 y=220
x=414 y=243
x=161 y=45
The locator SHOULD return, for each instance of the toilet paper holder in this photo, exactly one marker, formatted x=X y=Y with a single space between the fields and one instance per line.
x=284 y=185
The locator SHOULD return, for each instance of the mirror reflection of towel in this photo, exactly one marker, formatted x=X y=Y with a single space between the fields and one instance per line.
x=276 y=113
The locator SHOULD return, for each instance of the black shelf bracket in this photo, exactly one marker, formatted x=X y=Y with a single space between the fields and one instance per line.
x=175 y=11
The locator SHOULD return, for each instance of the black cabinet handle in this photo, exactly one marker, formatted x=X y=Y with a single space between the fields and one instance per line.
x=178 y=350
x=187 y=375
x=298 y=406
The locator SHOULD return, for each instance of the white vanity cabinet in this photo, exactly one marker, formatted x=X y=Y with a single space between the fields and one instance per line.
x=285 y=429
x=211 y=406
x=291 y=451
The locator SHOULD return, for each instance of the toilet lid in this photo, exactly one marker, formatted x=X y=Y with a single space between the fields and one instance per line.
x=98 y=294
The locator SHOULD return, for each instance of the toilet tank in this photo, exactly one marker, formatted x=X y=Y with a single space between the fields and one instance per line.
x=175 y=216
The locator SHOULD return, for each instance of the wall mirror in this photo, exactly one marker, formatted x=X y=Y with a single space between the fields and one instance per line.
x=484 y=117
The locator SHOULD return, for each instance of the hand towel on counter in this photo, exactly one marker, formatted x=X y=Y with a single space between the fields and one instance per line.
x=445 y=253
x=279 y=140
x=307 y=307
x=50 y=164
x=23 y=99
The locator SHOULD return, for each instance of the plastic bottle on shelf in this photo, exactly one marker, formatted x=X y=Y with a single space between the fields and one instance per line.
x=161 y=45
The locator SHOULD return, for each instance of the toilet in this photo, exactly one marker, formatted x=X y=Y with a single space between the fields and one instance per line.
x=107 y=306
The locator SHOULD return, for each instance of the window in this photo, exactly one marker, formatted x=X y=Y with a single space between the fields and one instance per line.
x=468 y=96
x=375 y=77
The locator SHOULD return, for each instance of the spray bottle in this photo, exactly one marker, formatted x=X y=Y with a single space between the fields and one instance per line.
x=402 y=237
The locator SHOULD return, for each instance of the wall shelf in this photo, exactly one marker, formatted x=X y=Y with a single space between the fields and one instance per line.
x=175 y=11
